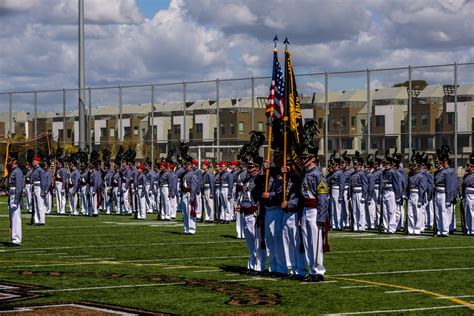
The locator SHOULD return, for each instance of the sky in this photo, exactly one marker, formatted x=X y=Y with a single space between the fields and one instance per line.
x=158 y=41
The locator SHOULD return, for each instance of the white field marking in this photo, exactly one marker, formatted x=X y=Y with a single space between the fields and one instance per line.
x=332 y=281
x=401 y=310
x=350 y=235
x=108 y=287
x=98 y=259
x=179 y=259
x=232 y=274
x=50 y=254
x=357 y=286
x=33 y=251
x=399 y=272
x=246 y=280
x=137 y=245
x=402 y=249
x=401 y=291
x=449 y=297
x=176 y=267
x=73 y=256
x=204 y=271
x=395 y=237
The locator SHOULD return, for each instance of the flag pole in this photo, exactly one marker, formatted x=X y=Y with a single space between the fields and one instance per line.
x=285 y=121
x=270 y=129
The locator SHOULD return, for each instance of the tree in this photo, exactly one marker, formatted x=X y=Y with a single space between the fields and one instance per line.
x=415 y=84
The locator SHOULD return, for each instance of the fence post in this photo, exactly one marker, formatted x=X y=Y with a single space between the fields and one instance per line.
x=217 y=121
x=184 y=112
x=10 y=114
x=90 y=120
x=64 y=118
x=253 y=103
x=35 y=102
x=152 y=147
x=120 y=115
x=369 y=112
x=456 y=116
x=326 y=115
x=409 y=110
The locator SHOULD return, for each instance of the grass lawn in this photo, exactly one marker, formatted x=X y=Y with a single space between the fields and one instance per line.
x=150 y=266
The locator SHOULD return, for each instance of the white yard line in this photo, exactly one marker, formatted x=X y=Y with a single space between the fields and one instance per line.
x=108 y=287
x=323 y=282
x=402 y=310
x=449 y=297
x=402 y=249
x=400 y=272
x=401 y=291
x=205 y=271
x=246 y=280
x=357 y=286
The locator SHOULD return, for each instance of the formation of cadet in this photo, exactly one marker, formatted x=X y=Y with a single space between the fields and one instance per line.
x=363 y=194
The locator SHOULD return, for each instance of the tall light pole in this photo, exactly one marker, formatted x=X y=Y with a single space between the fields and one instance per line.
x=82 y=111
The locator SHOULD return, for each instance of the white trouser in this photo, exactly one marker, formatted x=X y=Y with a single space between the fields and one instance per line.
x=377 y=208
x=313 y=241
x=73 y=202
x=443 y=214
x=239 y=225
x=142 y=206
x=346 y=216
x=165 y=203
x=189 y=221
x=60 y=197
x=295 y=259
x=452 y=224
x=28 y=197
x=336 y=210
x=414 y=213
x=226 y=211
x=401 y=215
x=208 y=205
x=389 y=211
x=15 y=222
x=126 y=200
x=371 y=214
x=117 y=200
x=274 y=239
x=150 y=199
x=250 y=240
x=358 y=209
x=93 y=210
x=84 y=200
x=48 y=201
x=198 y=206
x=108 y=200
x=428 y=208
x=261 y=253
x=40 y=208
x=469 y=213
x=173 y=207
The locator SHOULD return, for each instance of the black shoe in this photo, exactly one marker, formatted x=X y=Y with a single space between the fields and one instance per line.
x=296 y=277
x=12 y=244
x=310 y=278
x=319 y=278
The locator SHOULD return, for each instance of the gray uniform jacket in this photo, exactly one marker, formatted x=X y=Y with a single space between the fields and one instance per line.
x=38 y=174
x=467 y=183
x=447 y=178
x=48 y=174
x=208 y=181
x=358 y=180
x=337 y=180
x=226 y=179
x=314 y=186
x=15 y=185
x=74 y=181
x=190 y=181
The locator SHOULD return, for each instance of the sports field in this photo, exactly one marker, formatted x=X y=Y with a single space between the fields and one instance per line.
x=115 y=263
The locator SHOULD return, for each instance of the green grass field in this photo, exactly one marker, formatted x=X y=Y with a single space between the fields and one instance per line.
x=150 y=266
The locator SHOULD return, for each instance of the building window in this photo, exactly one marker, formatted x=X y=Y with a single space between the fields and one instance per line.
x=260 y=126
x=343 y=122
x=320 y=122
x=135 y=131
x=60 y=133
x=353 y=122
x=199 y=128
x=144 y=133
x=424 y=120
x=232 y=129
x=103 y=132
x=69 y=133
x=332 y=123
x=126 y=131
x=241 y=127
x=362 y=125
x=380 y=120
x=111 y=132
x=177 y=129
x=451 y=118
x=413 y=122
x=222 y=129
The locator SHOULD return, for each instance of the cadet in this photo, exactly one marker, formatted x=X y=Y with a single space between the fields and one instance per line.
x=29 y=196
x=125 y=173
x=337 y=194
x=430 y=190
x=108 y=187
x=141 y=192
x=150 y=197
x=38 y=190
x=403 y=182
x=358 y=186
x=199 y=197
x=272 y=200
x=390 y=194
x=84 y=181
x=294 y=257
x=180 y=170
x=173 y=192
x=344 y=182
x=247 y=205
x=217 y=193
x=15 y=190
x=315 y=195
x=378 y=185
x=189 y=188
x=446 y=191
x=48 y=186
x=74 y=180
x=208 y=192
x=225 y=193
x=165 y=183
x=468 y=196
x=239 y=218
x=61 y=187
x=156 y=189
x=234 y=171
x=416 y=195
x=370 y=205
x=117 y=190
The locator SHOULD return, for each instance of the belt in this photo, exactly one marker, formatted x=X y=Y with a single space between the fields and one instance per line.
x=207 y=185
x=225 y=186
x=440 y=189
x=311 y=203
x=12 y=189
x=414 y=190
x=357 y=189
x=164 y=186
x=335 y=187
x=249 y=210
x=469 y=190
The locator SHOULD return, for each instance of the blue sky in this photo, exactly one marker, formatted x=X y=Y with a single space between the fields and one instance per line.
x=150 y=7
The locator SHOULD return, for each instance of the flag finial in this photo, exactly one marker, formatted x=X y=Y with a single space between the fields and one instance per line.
x=275 y=40
x=286 y=42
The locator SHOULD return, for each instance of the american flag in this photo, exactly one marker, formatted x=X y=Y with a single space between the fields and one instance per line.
x=275 y=99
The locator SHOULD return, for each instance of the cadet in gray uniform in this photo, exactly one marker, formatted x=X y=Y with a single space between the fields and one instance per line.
x=173 y=192
x=344 y=182
x=225 y=194
x=165 y=184
x=239 y=218
x=378 y=186
x=392 y=195
x=150 y=197
x=141 y=191
x=117 y=190
x=468 y=197
x=27 y=189
x=416 y=194
x=84 y=182
x=208 y=192
x=337 y=195
x=108 y=187
x=315 y=195
x=74 y=187
x=15 y=190
x=61 y=187
x=370 y=205
x=189 y=188
x=38 y=190
x=199 y=197
x=48 y=186
x=358 y=186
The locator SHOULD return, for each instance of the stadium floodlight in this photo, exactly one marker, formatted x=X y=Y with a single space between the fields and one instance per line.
x=82 y=112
